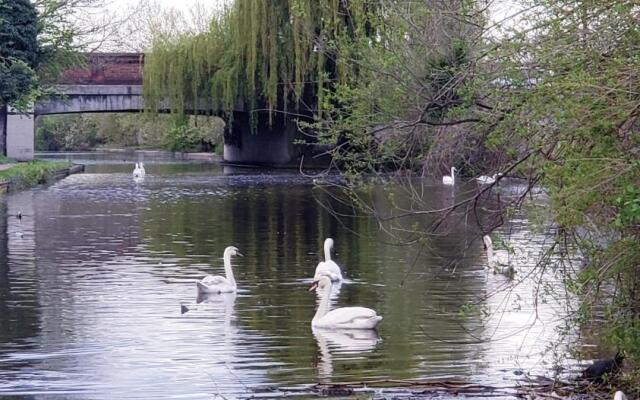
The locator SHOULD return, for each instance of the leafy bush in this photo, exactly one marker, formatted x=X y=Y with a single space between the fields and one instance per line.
x=88 y=131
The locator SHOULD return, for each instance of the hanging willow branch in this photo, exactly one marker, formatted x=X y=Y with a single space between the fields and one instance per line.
x=266 y=54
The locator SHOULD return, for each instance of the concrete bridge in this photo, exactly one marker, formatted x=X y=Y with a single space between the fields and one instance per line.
x=112 y=82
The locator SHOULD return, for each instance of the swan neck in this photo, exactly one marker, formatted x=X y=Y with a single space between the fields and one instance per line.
x=228 y=271
x=453 y=176
x=327 y=251
x=490 y=251
x=324 y=303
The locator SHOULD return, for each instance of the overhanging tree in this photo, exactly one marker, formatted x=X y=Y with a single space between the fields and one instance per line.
x=18 y=56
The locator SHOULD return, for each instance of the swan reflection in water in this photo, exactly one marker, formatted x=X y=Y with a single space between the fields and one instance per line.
x=333 y=296
x=220 y=302
x=339 y=342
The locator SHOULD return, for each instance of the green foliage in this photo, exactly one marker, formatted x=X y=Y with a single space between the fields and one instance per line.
x=18 y=49
x=410 y=79
x=88 y=131
x=6 y=160
x=573 y=106
x=628 y=204
x=266 y=55
x=56 y=49
x=187 y=135
x=74 y=132
x=24 y=175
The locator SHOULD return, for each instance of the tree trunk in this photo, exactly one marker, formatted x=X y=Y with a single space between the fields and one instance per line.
x=3 y=130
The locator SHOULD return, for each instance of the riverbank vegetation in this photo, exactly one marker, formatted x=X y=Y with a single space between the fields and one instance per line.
x=29 y=174
x=550 y=96
x=80 y=132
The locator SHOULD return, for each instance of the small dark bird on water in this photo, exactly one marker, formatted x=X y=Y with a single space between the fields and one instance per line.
x=183 y=309
x=600 y=369
x=19 y=215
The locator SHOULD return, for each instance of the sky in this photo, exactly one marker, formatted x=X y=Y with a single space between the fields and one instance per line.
x=126 y=25
x=183 y=5
x=135 y=37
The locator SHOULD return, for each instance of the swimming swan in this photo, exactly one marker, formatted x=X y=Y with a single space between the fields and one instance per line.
x=217 y=283
x=142 y=171
x=340 y=318
x=486 y=180
x=450 y=179
x=498 y=259
x=137 y=172
x=328 y=267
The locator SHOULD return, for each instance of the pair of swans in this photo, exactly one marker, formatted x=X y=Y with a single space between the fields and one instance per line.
x=327 y=272
x=498 y=259
x=482 y=179
x=221 y=284
x=138 y=171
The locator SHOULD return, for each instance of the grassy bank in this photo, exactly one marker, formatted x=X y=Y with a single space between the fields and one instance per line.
x=28 y=174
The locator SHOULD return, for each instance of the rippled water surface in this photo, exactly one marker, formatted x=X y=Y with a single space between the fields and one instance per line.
x=98 y=296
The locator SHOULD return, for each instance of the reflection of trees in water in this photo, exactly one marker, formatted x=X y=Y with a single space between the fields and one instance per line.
x=280 y=230
x=19 y=277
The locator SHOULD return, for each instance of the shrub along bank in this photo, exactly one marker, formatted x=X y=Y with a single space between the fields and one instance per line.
x=29 y=174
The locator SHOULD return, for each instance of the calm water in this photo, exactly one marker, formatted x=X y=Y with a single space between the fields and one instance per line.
x=93 y=277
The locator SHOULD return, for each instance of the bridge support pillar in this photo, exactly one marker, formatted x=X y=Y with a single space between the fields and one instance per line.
x=268 y=144
x=20 y=135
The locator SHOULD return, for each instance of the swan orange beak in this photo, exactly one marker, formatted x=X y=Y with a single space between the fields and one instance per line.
x=314 y=286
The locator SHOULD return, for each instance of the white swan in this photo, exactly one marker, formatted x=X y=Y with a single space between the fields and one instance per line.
x=619 y=395
x=450 y=179
x=341 y=318
x=498 y=259
x=486 y=180
x=217 y=283
x=137 y=172
x=328 y=267
x=142 y=171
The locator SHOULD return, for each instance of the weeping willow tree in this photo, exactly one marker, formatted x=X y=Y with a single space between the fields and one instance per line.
x=275 y=56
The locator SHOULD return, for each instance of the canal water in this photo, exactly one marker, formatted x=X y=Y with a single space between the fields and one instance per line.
x=98 y=297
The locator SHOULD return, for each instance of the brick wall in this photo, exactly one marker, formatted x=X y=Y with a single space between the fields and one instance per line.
x=107 y=69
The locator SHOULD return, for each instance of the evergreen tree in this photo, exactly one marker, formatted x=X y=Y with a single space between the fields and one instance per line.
x=18 y=56
x=18 y=49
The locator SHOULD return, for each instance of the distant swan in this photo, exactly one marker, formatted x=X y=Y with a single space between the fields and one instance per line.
x=217 y=283
x=498 y=259
x=450 y=179
x=341 y=318
x=137 y=172
x=486 y=180
x=328 y=267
